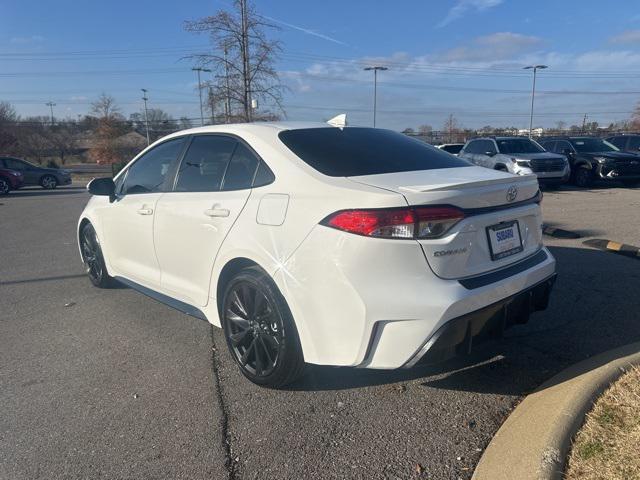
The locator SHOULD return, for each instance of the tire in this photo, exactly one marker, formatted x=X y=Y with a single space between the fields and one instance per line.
x=501 y=168
x=260 y=331
x=583 y=177
x=48 y=182
x=5 y=188
x=93 y=258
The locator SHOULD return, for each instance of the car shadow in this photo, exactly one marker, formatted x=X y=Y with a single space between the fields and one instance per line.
x=592 y=310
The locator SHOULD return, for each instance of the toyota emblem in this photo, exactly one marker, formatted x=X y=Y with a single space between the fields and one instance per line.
x=512 y=193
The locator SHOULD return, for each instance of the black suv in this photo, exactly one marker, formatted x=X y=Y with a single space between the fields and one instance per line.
x=593 y=158
x=48 y=178
x=627 y=142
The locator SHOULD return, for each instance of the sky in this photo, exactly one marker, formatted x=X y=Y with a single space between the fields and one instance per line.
x=460 y=57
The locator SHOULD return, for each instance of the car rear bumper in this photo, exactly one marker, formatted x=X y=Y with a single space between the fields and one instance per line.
x=457 y=336
x=375 y=303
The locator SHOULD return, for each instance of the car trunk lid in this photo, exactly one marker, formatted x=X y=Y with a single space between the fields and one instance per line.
x=492 y=201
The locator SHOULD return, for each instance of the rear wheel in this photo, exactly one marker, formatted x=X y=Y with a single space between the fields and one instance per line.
x=260 y=331
x=49 y=182
x=583 y=177
x=93 y=258
x=4 y=187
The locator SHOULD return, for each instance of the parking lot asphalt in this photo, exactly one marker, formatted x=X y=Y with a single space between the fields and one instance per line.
x=109 y=383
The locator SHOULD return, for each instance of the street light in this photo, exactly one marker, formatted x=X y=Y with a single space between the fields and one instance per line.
x=51 y=105
x=533 y=91
x=146 y=116
x=200 y=69
x=375 y=88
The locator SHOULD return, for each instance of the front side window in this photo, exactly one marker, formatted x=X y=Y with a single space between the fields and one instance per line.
x=204 y=165
x=592 y=145
x=563 y=147
x=549 y=146
x=355 y=151
x=148 y=173
x=241 y=170
x=618 y=141
x=518 y=145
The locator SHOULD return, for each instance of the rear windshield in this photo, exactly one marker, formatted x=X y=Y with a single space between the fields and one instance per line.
x=518 y=145
x=353 y=151
x=452 y=148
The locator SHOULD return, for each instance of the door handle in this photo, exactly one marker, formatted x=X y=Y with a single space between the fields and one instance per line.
x=216 y=212
x=145 y=211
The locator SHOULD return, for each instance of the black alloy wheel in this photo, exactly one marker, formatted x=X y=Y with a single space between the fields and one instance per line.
x=583 y=177
x=259 y=330
x=93 y=259
x=4 y=187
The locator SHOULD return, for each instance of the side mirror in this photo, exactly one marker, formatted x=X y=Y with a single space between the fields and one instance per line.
x=102 y=186
x=490 y=154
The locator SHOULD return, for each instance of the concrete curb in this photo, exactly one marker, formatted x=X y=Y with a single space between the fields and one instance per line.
x=534 y=441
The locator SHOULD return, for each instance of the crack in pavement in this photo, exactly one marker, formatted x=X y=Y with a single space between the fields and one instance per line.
x=226 y=438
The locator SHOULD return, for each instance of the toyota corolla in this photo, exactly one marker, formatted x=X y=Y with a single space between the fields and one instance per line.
x=312 y=244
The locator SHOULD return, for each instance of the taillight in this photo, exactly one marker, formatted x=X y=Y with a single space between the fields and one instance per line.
x=410 y=222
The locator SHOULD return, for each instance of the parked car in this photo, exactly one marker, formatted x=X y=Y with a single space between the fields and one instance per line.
x=594 y=158
x=35 y=175
x=452 y=148
x=10 y=180
x=626 y=143
x=313 y=244
x=517 y=155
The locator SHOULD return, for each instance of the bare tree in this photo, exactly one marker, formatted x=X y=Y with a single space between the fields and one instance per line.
x=105 y=108
x=243 y=58
x=63 y=141
x=160 y=122
x=451 y=127
x=105 y=149
x=425 y=129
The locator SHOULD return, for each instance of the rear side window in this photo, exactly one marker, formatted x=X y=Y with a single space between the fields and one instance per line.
x=148 y=173
x=204 y=165
x=241 y=170
x=352 y=151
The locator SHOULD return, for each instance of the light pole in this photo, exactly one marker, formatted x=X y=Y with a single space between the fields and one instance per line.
x=51 y=105
x=375 y=88
x=146 y=116
x=533 y=91
x=200 y=69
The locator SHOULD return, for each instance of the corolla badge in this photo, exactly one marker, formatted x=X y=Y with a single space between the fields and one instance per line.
x=512 y=193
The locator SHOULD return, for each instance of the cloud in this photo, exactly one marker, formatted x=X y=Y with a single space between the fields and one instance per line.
x=628 y=36
x=26 y=40
x=307 y=31
x=463 y=6
x=497 y=46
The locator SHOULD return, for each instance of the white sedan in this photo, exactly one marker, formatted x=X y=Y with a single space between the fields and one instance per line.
x=314 y=244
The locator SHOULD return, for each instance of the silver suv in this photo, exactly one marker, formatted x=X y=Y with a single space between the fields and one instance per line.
x=517 y=155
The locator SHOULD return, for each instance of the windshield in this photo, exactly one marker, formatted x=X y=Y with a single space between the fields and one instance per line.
x=586 y=145
x=352 y=151
x=518 y=145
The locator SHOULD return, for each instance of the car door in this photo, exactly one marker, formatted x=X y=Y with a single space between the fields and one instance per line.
x=212 y=185
x=634 y=144
x=128 y=221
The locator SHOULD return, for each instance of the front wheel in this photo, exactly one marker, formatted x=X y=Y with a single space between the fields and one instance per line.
x=583 y=177
x=48 y=182
x=93 y=258
x=260 y=331
x=4 y=187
